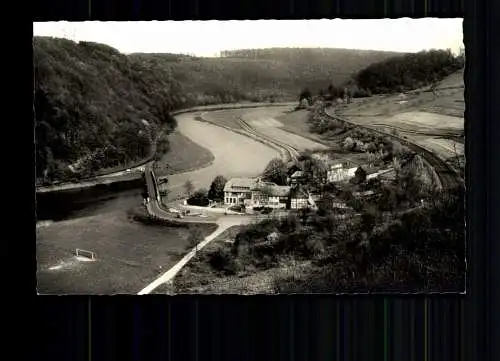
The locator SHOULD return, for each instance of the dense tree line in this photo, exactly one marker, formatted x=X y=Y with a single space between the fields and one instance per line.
x=416 y=251
x=421 y=249
x=261 y=74
x=396 y=74
x=408 y=71
x=94 y=108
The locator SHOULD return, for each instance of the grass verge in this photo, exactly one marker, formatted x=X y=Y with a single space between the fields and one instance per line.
x=184 y=155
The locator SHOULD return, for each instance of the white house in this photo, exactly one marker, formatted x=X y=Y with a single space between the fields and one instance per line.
x=253 y=192
x=339 y=173
x=238 y=191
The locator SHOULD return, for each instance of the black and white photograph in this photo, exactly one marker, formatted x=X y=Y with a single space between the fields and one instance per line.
x=250 y=157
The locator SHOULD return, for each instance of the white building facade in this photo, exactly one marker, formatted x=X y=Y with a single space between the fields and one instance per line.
x=338 y=173
x=253 y=192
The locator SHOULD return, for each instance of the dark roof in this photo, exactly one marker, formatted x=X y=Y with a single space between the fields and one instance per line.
x=293 y=169
x=273 y=189
x=238 y=184
x=280 y=191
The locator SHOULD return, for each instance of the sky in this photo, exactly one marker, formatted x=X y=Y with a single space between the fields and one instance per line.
x=208 y=38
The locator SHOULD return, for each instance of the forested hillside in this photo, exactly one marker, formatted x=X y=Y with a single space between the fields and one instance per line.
x=262 y=74
x=408 y=71
x=96 y=108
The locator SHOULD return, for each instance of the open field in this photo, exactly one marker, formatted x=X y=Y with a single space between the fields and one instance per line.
x=445 y=148
x=432 y=120
x=455 y=80
x=296 y=123
x=267 y=123
x=129 y=255
x=447 y=99
x=448 y=102
x=226 y=118
x=417 y=122
x=184 y=155
x=298 y=142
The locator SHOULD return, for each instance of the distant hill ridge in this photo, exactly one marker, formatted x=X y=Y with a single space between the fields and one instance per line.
x=258 y=74
x=91 y=100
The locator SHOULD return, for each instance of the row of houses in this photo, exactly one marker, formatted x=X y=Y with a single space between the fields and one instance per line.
x=336 y=172
x=254 y=192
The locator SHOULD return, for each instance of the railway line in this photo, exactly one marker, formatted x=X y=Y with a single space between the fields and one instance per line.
x=292 y=153
x=448 y=176
x=456 y=134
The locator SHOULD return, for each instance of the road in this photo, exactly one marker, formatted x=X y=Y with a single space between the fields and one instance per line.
x=224 y=222
x=155 y=209
x=447 y=176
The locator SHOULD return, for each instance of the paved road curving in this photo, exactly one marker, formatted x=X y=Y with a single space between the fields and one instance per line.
x=224 y=222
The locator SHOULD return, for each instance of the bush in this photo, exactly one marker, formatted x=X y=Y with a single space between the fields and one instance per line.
x=238 y=208
x=314 y=246
x=348 y=144
x=223 y=261
x=199 y=198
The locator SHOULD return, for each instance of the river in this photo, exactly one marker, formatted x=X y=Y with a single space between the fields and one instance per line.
x=235 y=155
x=129 y=254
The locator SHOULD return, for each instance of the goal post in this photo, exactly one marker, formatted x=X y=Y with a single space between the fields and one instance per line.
x=86 y=254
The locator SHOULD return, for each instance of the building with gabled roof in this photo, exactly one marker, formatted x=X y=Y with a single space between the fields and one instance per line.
x=254 y=192
x=339 y=173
